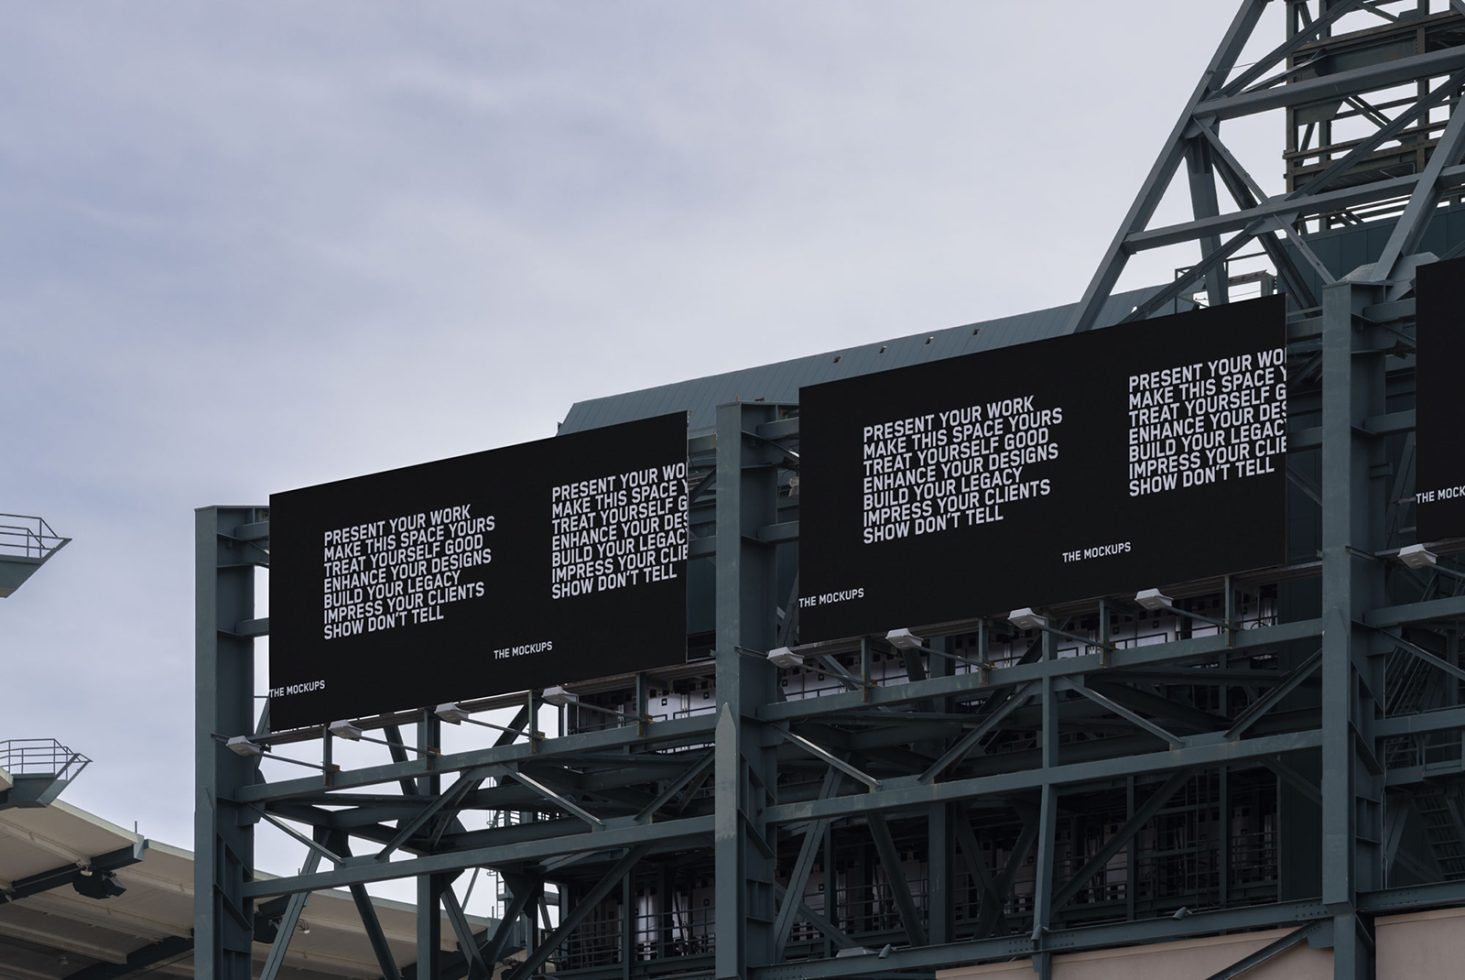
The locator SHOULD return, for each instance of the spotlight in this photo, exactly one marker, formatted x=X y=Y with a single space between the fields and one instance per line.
x=784 y=657
x=266 y=928
x=559 y=696
x=98 y=886
x=854 y=951
x=904 y=639
x=1154 y=600
x=345 y=729
x=243 y=745
x=1026 y=619
x=451 y=713
x=1417 y=556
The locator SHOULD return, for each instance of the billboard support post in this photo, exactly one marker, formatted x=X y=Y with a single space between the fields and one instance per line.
x=230 y=543
x=745 y=773
x=1354 y=498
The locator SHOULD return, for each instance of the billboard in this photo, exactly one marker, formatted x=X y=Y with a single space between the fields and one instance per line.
x=1086 y=465
x=505 y=570
x=1439 y=352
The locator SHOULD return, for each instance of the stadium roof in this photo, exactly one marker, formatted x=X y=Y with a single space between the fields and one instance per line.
x=49 y=930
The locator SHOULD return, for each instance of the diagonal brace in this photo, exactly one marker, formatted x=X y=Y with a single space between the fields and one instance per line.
x=1120 y=838
x=676 y=786
x=561 y=800
x=798 y=879
x=900 y=889
x=572 y=919
x=819 y=752
x=961 y=749
x=1271 y=699
x=1133 y=717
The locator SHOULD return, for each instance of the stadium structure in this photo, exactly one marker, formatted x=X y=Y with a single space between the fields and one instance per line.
x=85 y=899
x=1255 y=774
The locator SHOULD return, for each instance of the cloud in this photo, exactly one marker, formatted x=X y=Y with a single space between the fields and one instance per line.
x=249 y=247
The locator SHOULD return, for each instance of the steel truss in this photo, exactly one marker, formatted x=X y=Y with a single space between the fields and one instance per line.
x=1280 y=749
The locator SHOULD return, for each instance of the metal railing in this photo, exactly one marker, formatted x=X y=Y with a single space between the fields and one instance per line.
x=28 y=537
x=41 y=757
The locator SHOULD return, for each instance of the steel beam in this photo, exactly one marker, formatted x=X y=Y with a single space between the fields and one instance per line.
x=745 y=771
x=223 y=833
x=1121 y=838
x=896 y=795
x=1154 y=186
x=576 y=914
x=691 y=730
x=667 y=832
x=139 y=961
x=1197 y=649
x=1353 y=506
x=900 y=890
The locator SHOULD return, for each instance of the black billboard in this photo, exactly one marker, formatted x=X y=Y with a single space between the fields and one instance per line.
x=516 y=568
x=1439 y=352
x=1094 y=464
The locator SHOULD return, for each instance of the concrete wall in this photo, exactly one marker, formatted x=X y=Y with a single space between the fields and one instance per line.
x=1420 y=944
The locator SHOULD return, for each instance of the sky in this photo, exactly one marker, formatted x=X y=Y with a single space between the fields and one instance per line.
x=251 y=247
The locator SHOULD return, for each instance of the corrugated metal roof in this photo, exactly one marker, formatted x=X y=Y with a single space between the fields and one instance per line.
x=781 y=382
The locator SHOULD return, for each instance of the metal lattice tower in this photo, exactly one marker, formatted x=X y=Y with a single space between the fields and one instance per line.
x=1282 y=749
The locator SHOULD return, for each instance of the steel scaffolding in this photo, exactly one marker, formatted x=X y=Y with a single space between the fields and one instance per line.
x=1280 y=748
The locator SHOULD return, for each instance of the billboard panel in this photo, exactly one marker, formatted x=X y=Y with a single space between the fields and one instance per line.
x=1439 y=353
x=517 y=568
x=1086 y=465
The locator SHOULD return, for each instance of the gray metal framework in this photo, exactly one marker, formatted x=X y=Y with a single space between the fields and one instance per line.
x=1286 y=752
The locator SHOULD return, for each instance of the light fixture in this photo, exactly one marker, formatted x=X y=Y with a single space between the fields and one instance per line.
x=245 y=746
x=98 y=886
x=559 y=696
x=1418 y=556
x=345 y=729
x=784 y=657
x=1154 y=600
x=451 y=713
x=1026 y=619
x=849 y=951
x=904 y=639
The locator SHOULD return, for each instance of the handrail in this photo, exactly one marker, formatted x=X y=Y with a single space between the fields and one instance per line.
x=41 y=757
x=25 y=536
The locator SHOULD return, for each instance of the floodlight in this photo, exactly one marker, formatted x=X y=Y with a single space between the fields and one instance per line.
x=784 y=657
x=1026 y=619
x=854 y=951
x=1154 y=600
x=346 y=730
x=1417 y=556
x=98 y=886
x=451 y=713
x=245 y=746
x=904 y=639
x=558 y=695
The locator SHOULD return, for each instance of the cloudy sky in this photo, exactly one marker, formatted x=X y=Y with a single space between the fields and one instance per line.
x=249 y=247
